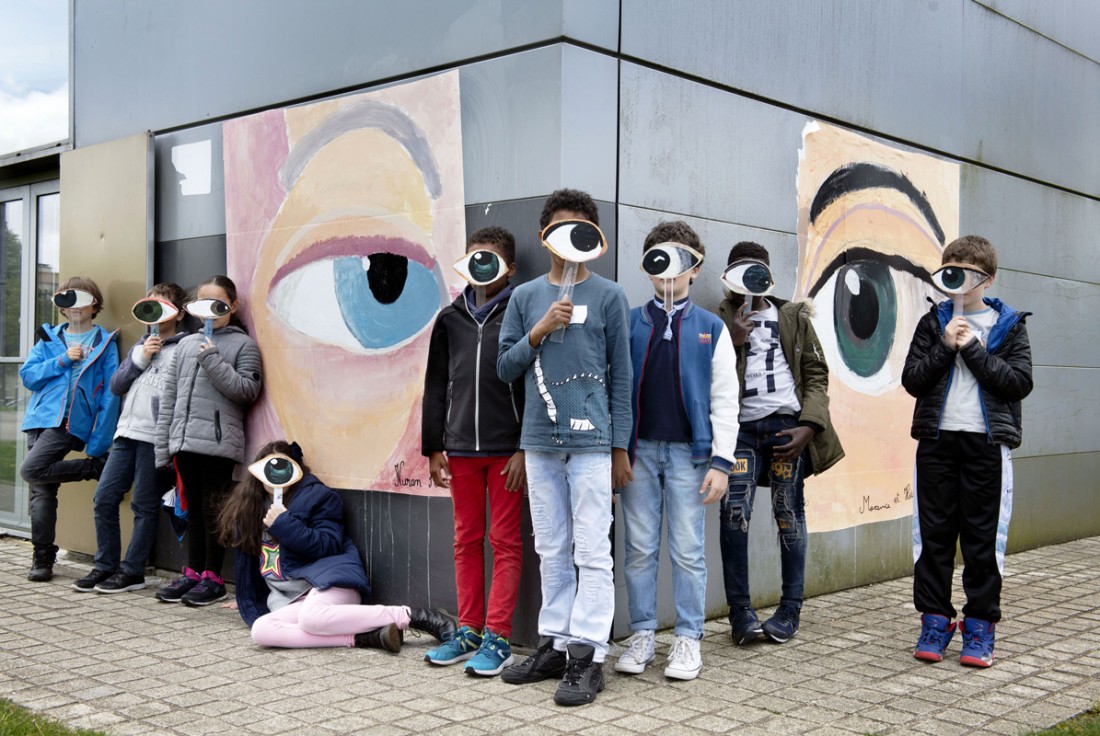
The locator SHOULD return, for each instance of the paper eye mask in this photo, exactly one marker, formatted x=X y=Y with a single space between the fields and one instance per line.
x=751 y=278
x=669 y=260
x=958 y=278
x=480 y=268
x=152 y=311
x=73 y=299
x=207 y=308
x=276 y=470
x=577 y=241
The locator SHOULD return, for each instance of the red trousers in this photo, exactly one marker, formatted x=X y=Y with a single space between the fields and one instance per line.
x=471 y=479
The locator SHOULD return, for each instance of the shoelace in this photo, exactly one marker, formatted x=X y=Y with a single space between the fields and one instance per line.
x=983 y=643
x=574 y=669
x=931 y=636
x=636 y=646
x=681 y=651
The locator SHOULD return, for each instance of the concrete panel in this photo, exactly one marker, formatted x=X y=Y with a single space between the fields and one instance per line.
x=1054 y=500
x=190 y=184
x=188 y=262
x=1060 y=415
x=590 y=121
x=1064 y=311
x=692 y=149
x=1072 y=23
x=188 y=63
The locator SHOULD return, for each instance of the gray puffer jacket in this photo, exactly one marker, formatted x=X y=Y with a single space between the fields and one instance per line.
x=206 y=395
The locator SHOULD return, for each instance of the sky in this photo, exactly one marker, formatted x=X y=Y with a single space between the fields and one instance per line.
x=34 y=73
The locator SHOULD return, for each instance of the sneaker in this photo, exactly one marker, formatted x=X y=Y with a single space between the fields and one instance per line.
x=978 y=638
x=460 y=647
x=434 y=621
x=96 y=466
x=210 y=589
x=684 y=661
x=583 y=678
x=493 y=656
x=389 y=638
x=744 y=625
x=639 y=652
x=178 y=588
x=783 y=624
x=87 y=583
x=935 y=634
x=42 y=566
x=121 y=582
x=544 y=664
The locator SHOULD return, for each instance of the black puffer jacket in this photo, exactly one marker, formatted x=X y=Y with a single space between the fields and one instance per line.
x=467 y=408
x=1002 y=369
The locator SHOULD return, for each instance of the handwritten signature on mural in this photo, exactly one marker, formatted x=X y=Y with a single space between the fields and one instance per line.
x=867 y=507
x=400 y=481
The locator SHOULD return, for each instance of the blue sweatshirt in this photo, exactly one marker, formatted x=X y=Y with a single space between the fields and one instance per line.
x=578 y=390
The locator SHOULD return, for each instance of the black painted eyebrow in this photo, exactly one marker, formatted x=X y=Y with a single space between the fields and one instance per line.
x=898 y=263
x=861 y=175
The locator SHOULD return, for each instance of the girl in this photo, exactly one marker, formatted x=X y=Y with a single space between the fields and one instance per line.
x=299 y=579
x=208 y=386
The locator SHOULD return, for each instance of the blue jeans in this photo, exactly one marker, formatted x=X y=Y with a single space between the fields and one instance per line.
x=753 y=463
x=666 y=482
x=130 y=461
x=570 y=497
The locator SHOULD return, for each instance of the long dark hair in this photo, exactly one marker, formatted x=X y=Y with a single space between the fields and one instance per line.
x=240 y=521
x=225 y=284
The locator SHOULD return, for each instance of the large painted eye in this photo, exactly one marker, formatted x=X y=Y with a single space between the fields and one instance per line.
x=276 y=470
x=207 y=308
x=669 y=260
x=152 y=311
x=751 y=278
x=73 y=299
x=480 y=268
x=958 y=279
x=574 y=240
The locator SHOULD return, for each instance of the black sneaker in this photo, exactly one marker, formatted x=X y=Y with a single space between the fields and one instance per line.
x=96 y=466
x=181 y=586
x=87 y=583
x=42 y=566
x=121 y=582
x=206 y=592
x=389 y=638
x=434 y=621
x=544 y=664
x=583 y=678
x=783 y=624
x=744 y=625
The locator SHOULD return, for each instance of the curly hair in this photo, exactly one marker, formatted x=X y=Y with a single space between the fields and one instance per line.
x=573 y=200
x=497 y=236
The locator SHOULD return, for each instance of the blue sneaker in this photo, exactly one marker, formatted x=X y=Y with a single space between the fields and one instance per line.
x=977 y=648
x=460 y=647
x=783 y=624
x=493 y=656
x=935 y=634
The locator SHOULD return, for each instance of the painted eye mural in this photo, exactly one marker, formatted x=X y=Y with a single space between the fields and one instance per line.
x=751 y=278
x=481 y=267
x=339 y=214
x=152 y=311
x=669 y=260
x=956 y=279
x=872 y=224
x=73 y=299
x=576 y=241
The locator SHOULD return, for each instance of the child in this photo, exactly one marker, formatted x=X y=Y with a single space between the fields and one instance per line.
x=576 y=428
x=208 y=387
x=70 y=409
x=299 y=578
x=685 y=434
x=132 y=458
x=969 y=373
x=474 y=416
x=785 y=435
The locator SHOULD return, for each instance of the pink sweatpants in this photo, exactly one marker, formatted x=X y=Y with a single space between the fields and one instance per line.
x=324 y=618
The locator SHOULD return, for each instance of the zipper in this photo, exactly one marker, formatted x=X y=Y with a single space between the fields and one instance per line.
x=512 y=398
x=187 y=413
x=92 y=357
x=477 y=371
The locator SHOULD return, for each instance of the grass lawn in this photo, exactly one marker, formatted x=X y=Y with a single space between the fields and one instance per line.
x=17 y=721
x=1086 y=724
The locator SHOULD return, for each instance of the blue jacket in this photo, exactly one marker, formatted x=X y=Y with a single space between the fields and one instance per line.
x=707 y=378
x=312 y=547
x=93 y=413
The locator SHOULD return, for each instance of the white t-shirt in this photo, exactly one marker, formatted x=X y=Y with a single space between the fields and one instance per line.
x=769 y=384
x=962 y=411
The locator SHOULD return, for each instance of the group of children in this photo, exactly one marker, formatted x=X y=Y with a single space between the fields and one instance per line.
x=558 y=387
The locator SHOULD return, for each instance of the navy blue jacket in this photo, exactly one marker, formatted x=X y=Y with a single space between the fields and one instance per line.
x=312 y=547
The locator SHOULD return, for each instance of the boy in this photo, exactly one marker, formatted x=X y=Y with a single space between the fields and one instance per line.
x=785 y=435
x=685 y=434
x=70 y=409
x=132 y=459
x=969 y=373
x=576 y=429
x=473 y=417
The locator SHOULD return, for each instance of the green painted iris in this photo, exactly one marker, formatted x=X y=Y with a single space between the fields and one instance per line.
x=865 y=315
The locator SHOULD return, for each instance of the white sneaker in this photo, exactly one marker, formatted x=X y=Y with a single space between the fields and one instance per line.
x=639 y=652
x=684 y=661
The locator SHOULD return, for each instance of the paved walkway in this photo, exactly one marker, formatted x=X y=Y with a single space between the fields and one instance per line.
x=128 y=664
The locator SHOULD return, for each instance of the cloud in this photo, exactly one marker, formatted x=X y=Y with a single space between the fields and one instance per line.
x=33 y=118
